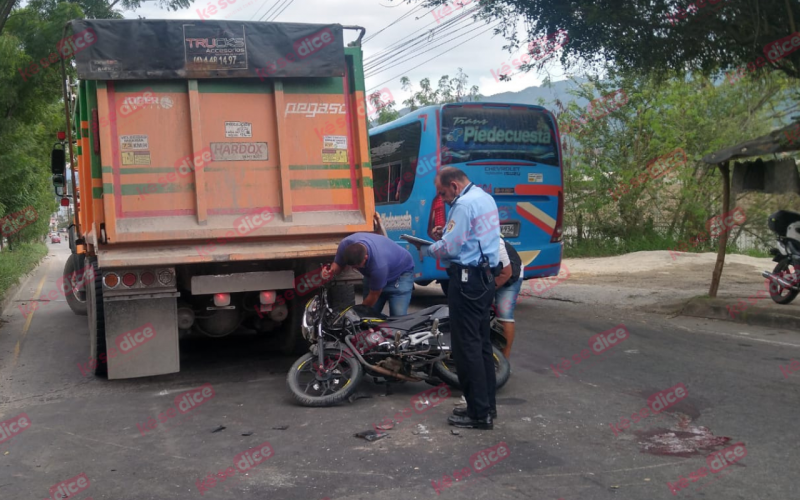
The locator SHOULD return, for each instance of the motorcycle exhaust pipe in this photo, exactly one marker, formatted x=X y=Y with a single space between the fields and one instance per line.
x=778 y=280
x=379 y=369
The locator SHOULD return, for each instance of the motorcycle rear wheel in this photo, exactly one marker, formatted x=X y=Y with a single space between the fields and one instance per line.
x=311 y=389
x=446 y=370
x=779 y=294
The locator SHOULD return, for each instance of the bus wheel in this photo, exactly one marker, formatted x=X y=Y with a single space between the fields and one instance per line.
x=445 y=284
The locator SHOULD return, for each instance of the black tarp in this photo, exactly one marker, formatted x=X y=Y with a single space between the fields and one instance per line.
x=141 y=49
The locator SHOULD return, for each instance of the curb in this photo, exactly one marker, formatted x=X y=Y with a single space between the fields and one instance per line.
x=703 y=307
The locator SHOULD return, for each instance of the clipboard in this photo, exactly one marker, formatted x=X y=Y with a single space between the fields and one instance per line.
x=414 y=239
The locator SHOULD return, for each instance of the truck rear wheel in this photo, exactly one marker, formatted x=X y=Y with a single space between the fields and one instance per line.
x=93 y=282
x=73 y=291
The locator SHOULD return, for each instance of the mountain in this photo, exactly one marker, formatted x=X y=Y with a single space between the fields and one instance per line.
x=531 y=95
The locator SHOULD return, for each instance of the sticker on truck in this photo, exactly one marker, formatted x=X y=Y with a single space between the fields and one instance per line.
x=136 y=157
x=213 y=47
x=133 y=142
x=239 y=151
x=238 y=129
x=334 y=149
x=334 y=142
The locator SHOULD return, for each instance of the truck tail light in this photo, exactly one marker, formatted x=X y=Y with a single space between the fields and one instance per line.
x=222 y=299
x=111 y=280
x=267 y=297
x=558 y=231
x=147 y=278
x=128 y=279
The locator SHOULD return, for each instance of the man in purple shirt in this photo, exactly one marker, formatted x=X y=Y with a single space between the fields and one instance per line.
x=387 y=267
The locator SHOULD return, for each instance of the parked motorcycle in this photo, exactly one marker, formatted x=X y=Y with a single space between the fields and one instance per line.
x=347 y=344
x=784 y=285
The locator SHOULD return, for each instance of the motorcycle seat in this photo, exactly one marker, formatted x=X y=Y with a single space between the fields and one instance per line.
x=409 y=321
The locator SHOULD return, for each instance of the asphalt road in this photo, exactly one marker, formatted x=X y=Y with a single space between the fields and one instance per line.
x=556 y=427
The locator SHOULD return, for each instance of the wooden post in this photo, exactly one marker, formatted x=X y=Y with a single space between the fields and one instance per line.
x=723 y=238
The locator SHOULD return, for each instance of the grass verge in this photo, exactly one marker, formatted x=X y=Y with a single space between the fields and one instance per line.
x=22 y=260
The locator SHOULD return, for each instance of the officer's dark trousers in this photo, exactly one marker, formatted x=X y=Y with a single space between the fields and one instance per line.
x=472 y=347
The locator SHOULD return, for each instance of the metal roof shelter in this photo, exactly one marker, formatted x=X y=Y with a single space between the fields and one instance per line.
x=784 y=140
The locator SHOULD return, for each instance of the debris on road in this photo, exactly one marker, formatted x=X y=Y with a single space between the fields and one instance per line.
x=371 y=435
x=220 y=428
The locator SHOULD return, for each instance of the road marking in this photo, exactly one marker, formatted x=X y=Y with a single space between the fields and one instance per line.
x=18 y=347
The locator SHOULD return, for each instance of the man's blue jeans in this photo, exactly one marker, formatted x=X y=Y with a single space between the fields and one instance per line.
x=397 y=293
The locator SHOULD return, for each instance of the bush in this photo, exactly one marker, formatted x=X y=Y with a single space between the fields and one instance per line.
x=15 y=264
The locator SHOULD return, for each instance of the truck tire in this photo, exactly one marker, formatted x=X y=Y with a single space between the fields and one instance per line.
x=75 y=295
x=97 y=320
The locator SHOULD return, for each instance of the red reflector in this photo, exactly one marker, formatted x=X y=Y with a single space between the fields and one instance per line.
x=61 y=136
x=129 y=279
x=147 y=278
x=64 y=202
x=438 y=211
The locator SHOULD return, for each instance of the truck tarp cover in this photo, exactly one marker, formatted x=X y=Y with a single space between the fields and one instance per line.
x=157 y=49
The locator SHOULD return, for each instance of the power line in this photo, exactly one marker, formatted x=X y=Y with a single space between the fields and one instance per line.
x=259 y=8
x=431 y=59
x=271 y=10
x=416 y=54
x=409 y=38
x=281 y=12
x=373 y=64
x=418 y=7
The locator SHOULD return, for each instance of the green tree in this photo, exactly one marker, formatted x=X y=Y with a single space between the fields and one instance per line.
x=613 y=194
x=449 y=90
x=644 y=37
x=384 y=109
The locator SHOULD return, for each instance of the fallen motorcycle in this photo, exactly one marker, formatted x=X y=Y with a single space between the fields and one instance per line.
x=784 y=283
x=347 y=344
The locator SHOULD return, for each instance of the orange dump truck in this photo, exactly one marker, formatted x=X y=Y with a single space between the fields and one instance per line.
x=218 y=164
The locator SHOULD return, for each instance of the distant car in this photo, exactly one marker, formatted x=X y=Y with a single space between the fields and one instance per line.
x=54 y=238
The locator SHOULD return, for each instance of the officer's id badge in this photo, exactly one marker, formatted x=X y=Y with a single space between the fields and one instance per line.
x=450 y=226
x=464 y=275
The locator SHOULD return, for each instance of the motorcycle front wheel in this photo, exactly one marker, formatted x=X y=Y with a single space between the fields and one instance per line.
x=779 y=294
x=313 y=385
x=446 y=370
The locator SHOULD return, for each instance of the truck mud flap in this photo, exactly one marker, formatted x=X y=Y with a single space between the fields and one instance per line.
x=142 y=335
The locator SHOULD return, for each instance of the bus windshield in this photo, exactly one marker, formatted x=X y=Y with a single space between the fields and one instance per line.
x=483 y=132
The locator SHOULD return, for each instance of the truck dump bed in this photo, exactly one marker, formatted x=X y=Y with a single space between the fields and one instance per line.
x=232 y=131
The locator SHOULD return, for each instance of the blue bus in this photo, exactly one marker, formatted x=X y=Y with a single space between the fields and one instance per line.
x=511 y=151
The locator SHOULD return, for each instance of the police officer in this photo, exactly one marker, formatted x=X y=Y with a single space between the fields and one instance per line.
x=469 y=245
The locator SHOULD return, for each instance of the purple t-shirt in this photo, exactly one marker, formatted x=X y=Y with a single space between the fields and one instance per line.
x=386 y=260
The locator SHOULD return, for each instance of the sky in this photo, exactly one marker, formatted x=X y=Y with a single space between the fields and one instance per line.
x=474 y=48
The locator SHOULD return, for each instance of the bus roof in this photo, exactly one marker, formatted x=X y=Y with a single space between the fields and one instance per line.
x=413 y=116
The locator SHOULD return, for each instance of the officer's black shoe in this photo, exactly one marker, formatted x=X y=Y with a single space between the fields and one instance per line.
x=471 y=423
x=462 y=412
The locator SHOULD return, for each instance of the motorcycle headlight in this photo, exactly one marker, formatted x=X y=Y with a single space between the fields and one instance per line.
x=310 y=317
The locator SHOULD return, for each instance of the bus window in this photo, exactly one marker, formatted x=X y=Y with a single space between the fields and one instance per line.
x=501 y=133
x=394 y=163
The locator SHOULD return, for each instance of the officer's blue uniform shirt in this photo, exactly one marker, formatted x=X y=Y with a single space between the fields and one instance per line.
x=473 y=218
